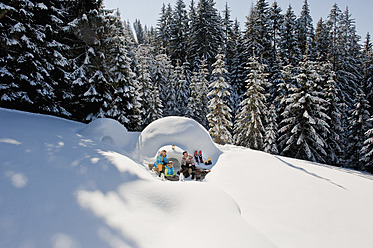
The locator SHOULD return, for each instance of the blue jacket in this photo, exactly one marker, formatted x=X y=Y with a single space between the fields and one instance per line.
x=160 y=160
x=169 y=171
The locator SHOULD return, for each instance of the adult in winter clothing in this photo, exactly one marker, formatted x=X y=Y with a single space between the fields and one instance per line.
x=188 y=166
x=161 y=161
x=169 y=171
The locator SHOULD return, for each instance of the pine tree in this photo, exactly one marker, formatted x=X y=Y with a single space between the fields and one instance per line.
x=92 y=82
x=368 y=70
x=169 y=94
x=125 y=106
x=305 y=32
x=229 y=44
x=304 y=125
x=182 y=92
x=252 y=116
x=139 y=32
x=257 y=35
x=276 y=24
x=206 y=34
x=344 y=53
x=359 y=125
x=198 y=101
x=163 y=27
x=334 y=107
x=220 y=115
x=286 y=85
x=162 y=75
x=178 y=33
x=27 y=60
x=192 y=20
x=367 y=150
x=321 y=41
x=349 y=74
x=237 y=71
x=151 y=105
x=271 y=131
x=289 y=50
x=276 y=20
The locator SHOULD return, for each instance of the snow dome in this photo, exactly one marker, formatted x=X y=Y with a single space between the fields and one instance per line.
x=107 y=130
x=185 y=133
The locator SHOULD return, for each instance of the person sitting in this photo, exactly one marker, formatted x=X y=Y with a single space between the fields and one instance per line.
x=169 y=171
x=188 y=166
x=160 y=162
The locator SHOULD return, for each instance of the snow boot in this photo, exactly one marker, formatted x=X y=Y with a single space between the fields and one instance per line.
x=181 y=177
x=208 y=161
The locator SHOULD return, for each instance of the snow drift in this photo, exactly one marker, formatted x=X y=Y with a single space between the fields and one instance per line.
x=60 y=188
x=109 y=131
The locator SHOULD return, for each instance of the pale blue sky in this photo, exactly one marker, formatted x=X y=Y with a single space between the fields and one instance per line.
x=148 y=10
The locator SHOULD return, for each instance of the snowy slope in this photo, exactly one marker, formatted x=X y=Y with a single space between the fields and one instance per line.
x=297 y=203
x=67 y=184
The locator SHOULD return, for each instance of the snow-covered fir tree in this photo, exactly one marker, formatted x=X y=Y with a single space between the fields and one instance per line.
x=176 y=93
x=322 y=41
x=359 y=125
x=271 y=132
x=253 y=113
x=29 y=55
x=305 y=32
x=344 y=53
x=198 y=100
x=304 y=125
x=334 y=108
x=289 y=49
x=139 y=32
x=90 y=77
x=285 y=85
x=276 y=20
x=125 y=106
x=367 y=150
x=181 y=92
x=164 y=27
x=229 y=43
x=178 y=40
x=151 y=105
x=169 y=94
x=257 y=37
x=368 y=70
x=206 y=35
x=220 y=115
x=162 y=77
x=236 y=70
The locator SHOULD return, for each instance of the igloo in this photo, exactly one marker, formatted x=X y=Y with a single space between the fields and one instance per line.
x=185 y=133
x=109 y=131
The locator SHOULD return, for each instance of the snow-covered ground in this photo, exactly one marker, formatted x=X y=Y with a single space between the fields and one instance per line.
x=67 y=184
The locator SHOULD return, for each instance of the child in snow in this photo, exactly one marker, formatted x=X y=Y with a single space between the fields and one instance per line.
x=161 y=161
x=187 y=165
x=169 y=171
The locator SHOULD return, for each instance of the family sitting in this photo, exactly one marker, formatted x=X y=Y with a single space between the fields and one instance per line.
x=162 y=166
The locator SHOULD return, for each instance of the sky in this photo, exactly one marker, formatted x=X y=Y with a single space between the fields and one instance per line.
x=148 y=10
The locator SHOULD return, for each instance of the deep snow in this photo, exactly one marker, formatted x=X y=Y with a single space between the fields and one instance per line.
x=67 y=184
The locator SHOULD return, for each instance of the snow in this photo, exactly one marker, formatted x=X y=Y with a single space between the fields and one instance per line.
x=183 y=132
x=68 y=184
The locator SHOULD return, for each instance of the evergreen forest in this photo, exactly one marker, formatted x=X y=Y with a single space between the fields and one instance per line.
x=283 y=84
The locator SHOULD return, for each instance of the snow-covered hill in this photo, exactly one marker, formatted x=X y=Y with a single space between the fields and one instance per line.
x=67 y=184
